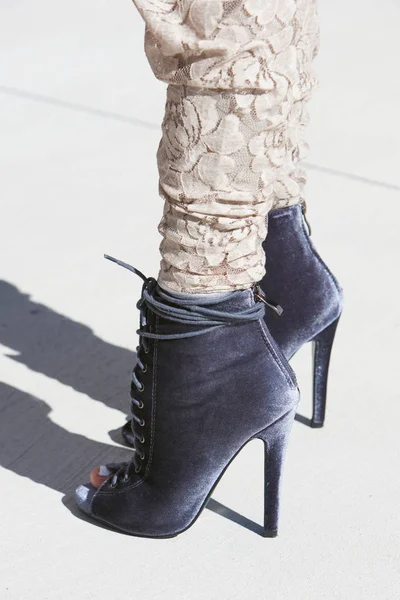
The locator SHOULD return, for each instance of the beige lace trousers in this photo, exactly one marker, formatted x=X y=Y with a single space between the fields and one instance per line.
x=239 y=75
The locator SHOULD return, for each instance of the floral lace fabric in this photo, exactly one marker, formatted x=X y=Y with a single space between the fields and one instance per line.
x=239 y=75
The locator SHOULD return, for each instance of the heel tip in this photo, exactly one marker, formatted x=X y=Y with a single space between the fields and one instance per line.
x=315 y=425
x=270 y=533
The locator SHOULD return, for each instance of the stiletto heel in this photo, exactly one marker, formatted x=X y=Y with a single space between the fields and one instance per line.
x=322 y=348
x=275 y=439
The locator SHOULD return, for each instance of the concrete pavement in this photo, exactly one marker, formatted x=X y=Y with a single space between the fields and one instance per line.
x=79 y=121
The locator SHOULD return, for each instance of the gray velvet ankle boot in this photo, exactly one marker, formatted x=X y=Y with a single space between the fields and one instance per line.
x=309 y=294
x=209 y=378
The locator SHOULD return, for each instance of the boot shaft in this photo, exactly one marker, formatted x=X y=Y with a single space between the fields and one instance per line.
x=299 y=280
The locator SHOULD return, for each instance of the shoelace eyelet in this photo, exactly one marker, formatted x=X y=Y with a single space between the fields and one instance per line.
x=126 y=478
x=112 y=485
x=142 y=455
x=141 y=389
x=144 y=370
x=137 y=469
x=140 y=404
x=142 y=423
x=142 y=439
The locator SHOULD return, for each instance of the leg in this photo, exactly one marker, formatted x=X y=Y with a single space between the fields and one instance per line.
x=306 y=41
x=237 y=73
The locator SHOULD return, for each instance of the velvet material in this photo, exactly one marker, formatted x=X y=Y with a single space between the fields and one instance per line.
x=299 y=280
x=322 y=353
x=204 y=398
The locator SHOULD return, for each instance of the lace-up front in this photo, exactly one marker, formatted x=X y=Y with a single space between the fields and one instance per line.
x=200 y=320
x=209 y=378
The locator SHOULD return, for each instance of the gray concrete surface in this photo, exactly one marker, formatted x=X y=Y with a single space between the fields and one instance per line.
x=79 y=127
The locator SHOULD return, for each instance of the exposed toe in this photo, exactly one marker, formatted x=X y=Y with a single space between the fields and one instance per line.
x=84 y=496
x=99 y=475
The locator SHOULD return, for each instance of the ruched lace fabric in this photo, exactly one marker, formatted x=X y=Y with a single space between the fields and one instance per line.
x=239 y=75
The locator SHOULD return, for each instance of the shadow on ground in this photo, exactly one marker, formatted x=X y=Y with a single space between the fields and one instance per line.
x=32 y=445
x=62 y=349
